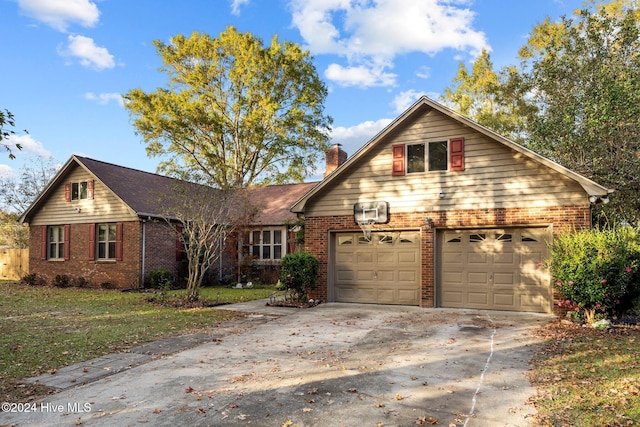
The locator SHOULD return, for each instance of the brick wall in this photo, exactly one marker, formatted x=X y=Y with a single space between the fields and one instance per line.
x=123 y=274
x=160 y=248
x=562 y=218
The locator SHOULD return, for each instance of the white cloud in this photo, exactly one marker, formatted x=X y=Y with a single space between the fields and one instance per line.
x=59 y=14
x=356 y=136
x=423 y=72
x=7 y=171
x=405 y=99
x=89 y=54
x=28 y=144
x=359 y=76
x=370 y=33
x=105 y=98
x=235 y=6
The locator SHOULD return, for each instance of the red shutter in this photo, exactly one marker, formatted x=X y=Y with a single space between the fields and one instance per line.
x=90 y=189
x=179 y=243
x=119 y=241
x=456 y=154
x=92 y=242
x=67 y=192
x=67 y=248
x=397 y=168
x=43 y=242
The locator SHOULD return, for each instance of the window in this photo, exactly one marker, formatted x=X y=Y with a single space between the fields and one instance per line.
x=55 y=242
x=106 y=242
x=432 y=156
x=79 y=190
x=429 y=156
x=265 y=244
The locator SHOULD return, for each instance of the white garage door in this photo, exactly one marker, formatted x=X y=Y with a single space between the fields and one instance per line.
x=382 y=270
x=494 y=269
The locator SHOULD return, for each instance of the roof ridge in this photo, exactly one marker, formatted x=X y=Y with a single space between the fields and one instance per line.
x=125 y=167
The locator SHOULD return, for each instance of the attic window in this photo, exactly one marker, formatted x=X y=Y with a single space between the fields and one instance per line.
x=78 y=190
x=445 y=155
x=431 y=156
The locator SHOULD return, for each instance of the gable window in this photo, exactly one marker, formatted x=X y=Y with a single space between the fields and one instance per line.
x=265 y=244
x=428 y=156
x=81 y=190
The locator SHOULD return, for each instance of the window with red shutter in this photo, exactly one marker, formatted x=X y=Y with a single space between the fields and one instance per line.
x=43 y=242
x=456 y=154
x=92 y=242
x=398 y=166
x=67 y=247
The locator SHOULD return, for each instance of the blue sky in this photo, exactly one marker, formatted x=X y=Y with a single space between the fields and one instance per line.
x=65 y=63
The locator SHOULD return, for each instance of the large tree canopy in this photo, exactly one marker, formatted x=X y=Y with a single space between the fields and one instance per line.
x=234 y=112
x=577 y=93
x=488 y=97
x=583 y=75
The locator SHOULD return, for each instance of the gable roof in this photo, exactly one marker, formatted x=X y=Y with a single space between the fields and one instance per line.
x=139 y=190
x=591 y=188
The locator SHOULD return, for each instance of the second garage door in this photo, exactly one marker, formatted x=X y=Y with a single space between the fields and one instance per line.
x=494 y=269
x=384 y=269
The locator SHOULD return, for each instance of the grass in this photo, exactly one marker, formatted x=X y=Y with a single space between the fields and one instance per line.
x=587 y=377
x=45 y=328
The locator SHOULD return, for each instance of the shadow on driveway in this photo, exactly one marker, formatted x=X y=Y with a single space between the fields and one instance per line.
x=331 y=365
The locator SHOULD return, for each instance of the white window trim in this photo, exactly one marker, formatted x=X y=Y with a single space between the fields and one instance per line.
x=426 y=156
x=250 y=244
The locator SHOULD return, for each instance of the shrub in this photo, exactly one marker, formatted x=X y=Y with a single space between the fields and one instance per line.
x=32 y=279
x=81 y=282
x=299 y=273
x=107 y=285
x=160 y=277
x=596 y=271
x=61 y=281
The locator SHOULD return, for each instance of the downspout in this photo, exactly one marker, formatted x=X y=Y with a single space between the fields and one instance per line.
x=144 y=252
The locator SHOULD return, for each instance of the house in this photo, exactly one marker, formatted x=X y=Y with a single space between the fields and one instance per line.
x=104 y=223
x=438 y=211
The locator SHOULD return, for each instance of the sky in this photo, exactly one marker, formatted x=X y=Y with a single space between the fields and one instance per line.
x=66 y=63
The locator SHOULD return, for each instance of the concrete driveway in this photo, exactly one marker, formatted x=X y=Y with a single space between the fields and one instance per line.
x=331 y=365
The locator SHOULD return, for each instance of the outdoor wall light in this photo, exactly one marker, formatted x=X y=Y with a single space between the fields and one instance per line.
x=78 y=210
x=441 y=194
x=429 y=222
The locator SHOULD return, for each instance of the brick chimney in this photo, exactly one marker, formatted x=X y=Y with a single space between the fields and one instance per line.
x=336 y=156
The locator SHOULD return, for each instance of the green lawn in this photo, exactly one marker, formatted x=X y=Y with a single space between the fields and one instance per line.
x=45 y=328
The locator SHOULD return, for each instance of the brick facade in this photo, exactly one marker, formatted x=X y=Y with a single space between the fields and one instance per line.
x=122 y=274
x=159 y=247
x=317 y=229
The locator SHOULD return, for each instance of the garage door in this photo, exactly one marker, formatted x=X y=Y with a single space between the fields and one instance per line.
x=382 y=270
x=494 y=269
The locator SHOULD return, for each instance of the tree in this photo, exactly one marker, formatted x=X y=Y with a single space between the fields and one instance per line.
x=17 y=194
x=583 y=76
x=7 y=119
x=487 y=97
x=203 y=217
x=234 y=112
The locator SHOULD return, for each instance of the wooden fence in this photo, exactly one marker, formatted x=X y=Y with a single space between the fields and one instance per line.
x=14 y=263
